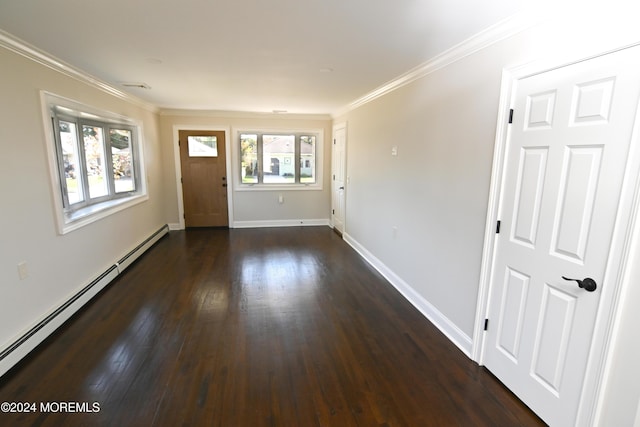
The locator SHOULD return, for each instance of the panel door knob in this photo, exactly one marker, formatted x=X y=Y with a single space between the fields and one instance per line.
x=588 y=284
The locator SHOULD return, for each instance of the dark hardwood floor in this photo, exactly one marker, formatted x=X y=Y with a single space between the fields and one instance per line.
x=260 y=327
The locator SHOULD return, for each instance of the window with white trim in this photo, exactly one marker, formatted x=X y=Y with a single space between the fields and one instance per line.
x=279 y=158
x=97 y=159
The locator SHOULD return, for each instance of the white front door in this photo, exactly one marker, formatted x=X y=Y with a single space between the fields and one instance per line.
x=565 y=167
x=338 y=156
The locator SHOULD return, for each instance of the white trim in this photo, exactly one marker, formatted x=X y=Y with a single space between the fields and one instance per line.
x=618 y=277
x=282 y=223
x=336 y=127
x=500 y=31
x=495 y=190
x=278 y=187
x=14 y=44
x=240 y=114
x=439 y=320
x=64 y=222
x=178 y=168
x=235 y=148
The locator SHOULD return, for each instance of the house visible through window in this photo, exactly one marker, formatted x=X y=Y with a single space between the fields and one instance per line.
x=278 y=158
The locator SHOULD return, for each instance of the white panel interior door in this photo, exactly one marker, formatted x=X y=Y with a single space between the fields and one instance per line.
x=563 y=177
x=338 y=172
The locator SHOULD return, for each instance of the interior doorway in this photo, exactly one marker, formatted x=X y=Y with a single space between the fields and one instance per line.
x=565 y=176
x=338 y=181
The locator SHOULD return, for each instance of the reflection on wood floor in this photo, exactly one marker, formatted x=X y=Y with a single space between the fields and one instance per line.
x=260 y=327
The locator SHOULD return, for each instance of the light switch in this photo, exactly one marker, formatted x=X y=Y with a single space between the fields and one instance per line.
x=394 y=150
x=23 y=271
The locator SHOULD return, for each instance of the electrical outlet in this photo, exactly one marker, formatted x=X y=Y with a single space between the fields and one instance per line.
x=23 y=270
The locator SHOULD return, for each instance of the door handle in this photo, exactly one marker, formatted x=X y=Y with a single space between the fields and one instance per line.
x=588 y=284
x=341 y=188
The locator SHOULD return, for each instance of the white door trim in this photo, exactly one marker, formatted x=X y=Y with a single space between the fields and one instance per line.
x=336 y=127
x=591 y=398
x=178 y=168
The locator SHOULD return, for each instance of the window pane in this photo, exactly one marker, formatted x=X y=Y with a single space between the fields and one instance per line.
x=203 y=146
x=249 y=165
x=308 y=159
x=278 y=159
x=94 y=154
x=71 y=159
x=122 y=160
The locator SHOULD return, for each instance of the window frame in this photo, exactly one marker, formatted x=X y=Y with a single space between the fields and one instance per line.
x=260 y=185
x=71 y=216
x=83 y=180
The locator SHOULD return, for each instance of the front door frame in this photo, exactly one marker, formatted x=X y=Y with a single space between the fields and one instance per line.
x=178 y=167
x=591 y=398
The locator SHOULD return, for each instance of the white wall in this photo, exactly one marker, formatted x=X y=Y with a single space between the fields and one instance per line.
x=250 y=207
x=435 y=192
x=58 y=265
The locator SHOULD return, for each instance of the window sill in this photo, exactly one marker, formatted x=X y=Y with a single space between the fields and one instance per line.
x=278 y=187
x=81 y=217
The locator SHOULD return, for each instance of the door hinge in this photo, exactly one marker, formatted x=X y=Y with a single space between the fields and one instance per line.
x=181 y=180
x=498 y=227
x=334 y=177
x=486 y=324
x=334 y=141
x=333 y=211
x=178 y=143
x=511 y=116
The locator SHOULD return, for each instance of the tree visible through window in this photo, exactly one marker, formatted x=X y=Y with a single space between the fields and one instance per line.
x=96 y=160
x=278 y=158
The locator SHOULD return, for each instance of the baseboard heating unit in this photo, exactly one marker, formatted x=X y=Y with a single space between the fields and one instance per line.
x=22 y=346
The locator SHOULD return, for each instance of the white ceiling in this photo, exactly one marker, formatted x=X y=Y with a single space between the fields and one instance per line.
x=303 y=56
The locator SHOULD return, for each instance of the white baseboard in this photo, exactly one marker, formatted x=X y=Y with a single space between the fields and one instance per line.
x=23 y=345
x=175 y=226
x=281 y=223
x=448 y=328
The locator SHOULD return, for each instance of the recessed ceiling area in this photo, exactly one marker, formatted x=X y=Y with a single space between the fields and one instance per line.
x=299 y=56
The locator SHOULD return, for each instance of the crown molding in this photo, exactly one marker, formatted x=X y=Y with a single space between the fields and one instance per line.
x=14 y=44
x=241 y=114
x=500 y=31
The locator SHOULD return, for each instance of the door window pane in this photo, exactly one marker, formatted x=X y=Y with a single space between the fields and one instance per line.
x=95 y=161
x=203 y=146
x=307 y=159
x=122 y=160
x=249 y=153
x=71 y=160
x=278 y=159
